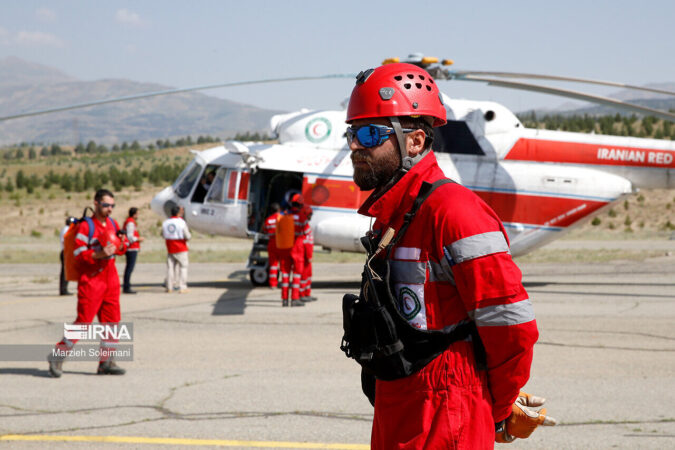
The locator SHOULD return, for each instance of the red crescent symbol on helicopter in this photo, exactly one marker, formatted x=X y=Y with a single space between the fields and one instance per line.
x=314 y=129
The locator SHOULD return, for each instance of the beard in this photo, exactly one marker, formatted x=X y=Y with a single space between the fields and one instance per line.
x=375 y=172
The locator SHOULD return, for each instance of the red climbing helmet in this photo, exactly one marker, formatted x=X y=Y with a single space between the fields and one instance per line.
x=398 y=89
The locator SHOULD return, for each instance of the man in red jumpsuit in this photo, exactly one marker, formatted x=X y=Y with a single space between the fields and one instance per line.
x=293 y=261
x=270 y=228
x=453 y=265
x=98 y=286
x=306 y=280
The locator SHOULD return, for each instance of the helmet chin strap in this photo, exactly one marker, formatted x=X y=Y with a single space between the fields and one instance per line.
x=407 y=162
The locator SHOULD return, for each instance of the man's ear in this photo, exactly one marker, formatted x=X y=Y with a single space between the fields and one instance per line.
x=415 y=142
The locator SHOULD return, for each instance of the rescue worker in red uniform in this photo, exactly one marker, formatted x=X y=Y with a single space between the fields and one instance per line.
x=270 y=228
x=452 y=266
x=98 y=286
x=306 y=279
x=134 y=240
x=292 y=262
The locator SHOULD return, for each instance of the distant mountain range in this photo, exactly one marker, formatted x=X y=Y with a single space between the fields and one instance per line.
x=26 y=86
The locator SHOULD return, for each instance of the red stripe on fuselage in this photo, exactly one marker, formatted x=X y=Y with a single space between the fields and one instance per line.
x=539 y=210
x=333 y=193
x=510 y=207
x=580 y=153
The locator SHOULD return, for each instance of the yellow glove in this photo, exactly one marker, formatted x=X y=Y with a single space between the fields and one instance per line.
x=523 y=420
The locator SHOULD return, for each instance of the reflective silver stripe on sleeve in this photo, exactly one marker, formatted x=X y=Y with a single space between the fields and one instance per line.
x=82 y=237
x=79 y=250
x=476 y=246
x=408 y=272
x=503 y=315
x=441 y=272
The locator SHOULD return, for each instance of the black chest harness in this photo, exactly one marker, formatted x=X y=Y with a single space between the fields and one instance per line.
x=376 y=334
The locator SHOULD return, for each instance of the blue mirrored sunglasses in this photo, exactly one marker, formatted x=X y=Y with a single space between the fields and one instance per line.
x=371 y=135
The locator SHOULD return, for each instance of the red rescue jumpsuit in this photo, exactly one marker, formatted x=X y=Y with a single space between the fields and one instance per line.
x=270 y=228
x=306 y=281
x=98 y=288
x=294 y=260
x=452 y=265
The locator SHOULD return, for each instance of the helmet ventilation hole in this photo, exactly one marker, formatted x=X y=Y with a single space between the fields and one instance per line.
x=421 y=77
x=418 y=85
x=398 y=78
x=407 y=85
x=428 y=88
x=410 y=76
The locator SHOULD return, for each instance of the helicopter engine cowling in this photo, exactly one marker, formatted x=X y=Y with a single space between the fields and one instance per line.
x=320 y=129
x=341 y=233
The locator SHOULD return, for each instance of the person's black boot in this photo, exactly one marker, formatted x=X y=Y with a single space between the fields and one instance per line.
x=109 y=368
x=55 y=365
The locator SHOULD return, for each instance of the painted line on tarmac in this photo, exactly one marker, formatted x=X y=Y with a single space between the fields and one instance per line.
x=180 y=441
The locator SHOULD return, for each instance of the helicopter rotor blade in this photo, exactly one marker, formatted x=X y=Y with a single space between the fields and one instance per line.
x=572 y=94
x=172 y=91
x=461 y=74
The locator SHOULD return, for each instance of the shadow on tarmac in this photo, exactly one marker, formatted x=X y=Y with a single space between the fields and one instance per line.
x=41 y=373
x=25 y=371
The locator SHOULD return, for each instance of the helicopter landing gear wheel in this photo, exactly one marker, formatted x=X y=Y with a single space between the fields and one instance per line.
x=259 y=277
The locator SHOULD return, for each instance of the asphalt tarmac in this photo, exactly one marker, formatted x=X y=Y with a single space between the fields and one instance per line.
x=225 y=365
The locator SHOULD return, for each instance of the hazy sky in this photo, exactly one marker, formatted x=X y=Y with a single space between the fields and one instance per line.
x=186 y=43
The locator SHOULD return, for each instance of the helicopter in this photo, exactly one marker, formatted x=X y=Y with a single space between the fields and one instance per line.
x=541 y=183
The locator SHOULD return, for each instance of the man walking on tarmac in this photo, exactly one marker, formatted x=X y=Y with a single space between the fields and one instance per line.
x=270 y=228
x=439 y=259
x=98 y=286
x=176 y=233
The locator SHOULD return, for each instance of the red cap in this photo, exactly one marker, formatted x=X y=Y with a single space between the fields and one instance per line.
x=297 y=198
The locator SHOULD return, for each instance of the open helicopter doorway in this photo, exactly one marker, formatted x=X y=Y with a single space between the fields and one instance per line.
x=267 y=187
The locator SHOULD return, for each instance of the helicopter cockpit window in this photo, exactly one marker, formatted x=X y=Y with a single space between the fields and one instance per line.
x=216 y=191
x=187 y=181
x=205 y=183
x=455 y=137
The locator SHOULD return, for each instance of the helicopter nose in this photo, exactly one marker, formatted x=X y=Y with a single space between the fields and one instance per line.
x=159 y=202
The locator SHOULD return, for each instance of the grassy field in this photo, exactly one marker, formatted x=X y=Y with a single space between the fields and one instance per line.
x=32 y=220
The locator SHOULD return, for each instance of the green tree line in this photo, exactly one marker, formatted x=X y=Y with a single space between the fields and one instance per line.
x=31 y=151
x=616 y=125
x=158 y=174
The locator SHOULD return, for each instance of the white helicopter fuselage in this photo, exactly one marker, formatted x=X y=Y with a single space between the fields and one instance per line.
x=541 y=183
